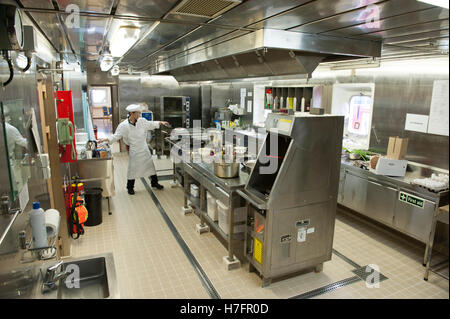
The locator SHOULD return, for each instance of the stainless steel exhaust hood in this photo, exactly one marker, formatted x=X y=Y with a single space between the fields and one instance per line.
x=266 y=52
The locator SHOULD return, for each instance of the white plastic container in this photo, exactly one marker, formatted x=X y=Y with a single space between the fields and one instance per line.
x=211 y=207
x=194 y=191
x=38 y=228
x=240 y=215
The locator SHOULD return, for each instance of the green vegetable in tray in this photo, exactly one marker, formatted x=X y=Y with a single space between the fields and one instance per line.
x=364 y=155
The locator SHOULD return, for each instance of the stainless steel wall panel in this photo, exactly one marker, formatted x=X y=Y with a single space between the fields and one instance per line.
x=408 y=30
x=162 y=35
x=145 y=8
x=419 y=17
x=42 y=4
x=130 y=91
x=398 y=95
x=75 y=81
x=310 y=12
x=364 y=15
x=416 y=37
x=99 y=6
x=252 y=11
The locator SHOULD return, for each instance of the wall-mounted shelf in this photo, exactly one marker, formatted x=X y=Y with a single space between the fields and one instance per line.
x=289 y=98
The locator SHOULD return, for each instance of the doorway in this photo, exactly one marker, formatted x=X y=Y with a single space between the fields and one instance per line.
x=101 y=109
x=355 y=102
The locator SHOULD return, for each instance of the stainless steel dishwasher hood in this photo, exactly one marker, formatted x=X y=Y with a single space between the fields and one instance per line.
x=265 y=52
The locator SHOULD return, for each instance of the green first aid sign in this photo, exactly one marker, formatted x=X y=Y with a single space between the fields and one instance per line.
x=411 y=199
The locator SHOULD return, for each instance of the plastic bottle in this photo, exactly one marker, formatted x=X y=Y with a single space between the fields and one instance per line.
x=39 y=231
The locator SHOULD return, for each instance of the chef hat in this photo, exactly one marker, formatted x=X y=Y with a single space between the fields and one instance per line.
x=134 y=108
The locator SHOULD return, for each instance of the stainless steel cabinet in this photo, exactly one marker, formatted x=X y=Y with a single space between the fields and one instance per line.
x=380 y=202
x=355 y=192
x=370 y=198
x=415 y=221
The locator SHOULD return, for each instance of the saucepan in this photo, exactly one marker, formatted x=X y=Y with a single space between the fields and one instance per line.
x=226 y=170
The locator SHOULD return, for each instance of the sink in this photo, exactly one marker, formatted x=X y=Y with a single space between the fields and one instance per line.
x=97 y=279
x=93 y=281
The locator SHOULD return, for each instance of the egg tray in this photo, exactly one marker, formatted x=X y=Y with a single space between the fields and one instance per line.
x=433 y=190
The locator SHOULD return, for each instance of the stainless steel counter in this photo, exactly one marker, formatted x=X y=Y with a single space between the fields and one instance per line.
x=382 y=198
x=223 y=189
x=228 y=184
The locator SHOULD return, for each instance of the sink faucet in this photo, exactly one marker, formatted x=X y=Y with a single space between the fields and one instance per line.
x=51 y=277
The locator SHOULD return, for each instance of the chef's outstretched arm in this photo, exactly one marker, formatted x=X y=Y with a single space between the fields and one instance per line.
x=113 y=138
x=151 y=125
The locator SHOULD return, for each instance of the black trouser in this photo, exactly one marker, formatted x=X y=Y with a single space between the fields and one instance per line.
x=153 y=179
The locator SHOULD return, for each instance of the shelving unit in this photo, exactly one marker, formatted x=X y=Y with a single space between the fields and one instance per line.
x=290 y=97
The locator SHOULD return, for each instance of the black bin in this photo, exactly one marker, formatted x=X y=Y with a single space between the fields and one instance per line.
x=93 y=200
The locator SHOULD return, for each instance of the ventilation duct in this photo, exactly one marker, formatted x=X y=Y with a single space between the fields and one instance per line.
x=204 y=8
x=262 y=53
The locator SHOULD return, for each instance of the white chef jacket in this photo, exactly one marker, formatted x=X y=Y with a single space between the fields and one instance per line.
x=13 y=136
x=140 y=163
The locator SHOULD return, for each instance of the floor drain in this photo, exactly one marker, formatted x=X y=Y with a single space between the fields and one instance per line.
x=366 y=271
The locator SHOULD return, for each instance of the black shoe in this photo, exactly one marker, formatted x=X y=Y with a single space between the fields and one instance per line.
x=157 y=186
x=130 y=191
x=154 y=182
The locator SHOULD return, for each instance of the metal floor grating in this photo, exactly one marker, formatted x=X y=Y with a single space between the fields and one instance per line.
x=365 y=271
x=327 y=288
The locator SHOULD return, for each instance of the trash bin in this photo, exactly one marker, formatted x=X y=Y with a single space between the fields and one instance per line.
x=93 y=200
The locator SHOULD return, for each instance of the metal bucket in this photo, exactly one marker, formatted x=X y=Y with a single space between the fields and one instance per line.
x=226 y=170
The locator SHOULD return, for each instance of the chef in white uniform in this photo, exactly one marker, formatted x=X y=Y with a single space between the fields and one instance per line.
x=134 y=131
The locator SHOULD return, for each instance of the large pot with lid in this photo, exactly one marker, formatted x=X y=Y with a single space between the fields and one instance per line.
x=226 y=170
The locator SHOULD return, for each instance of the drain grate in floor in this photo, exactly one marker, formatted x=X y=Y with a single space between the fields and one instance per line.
x=369 y=274
x=327 y=288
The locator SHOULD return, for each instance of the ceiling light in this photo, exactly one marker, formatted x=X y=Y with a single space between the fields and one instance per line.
x=115 y=70
x=123 y=40
x=438 y=3
x=375 y=64
x=106 y=63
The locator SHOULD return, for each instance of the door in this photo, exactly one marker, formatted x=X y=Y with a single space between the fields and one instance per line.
x=380 y=202
x=355 y=190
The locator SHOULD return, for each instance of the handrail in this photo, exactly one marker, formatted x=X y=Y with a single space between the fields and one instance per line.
x=10 y=225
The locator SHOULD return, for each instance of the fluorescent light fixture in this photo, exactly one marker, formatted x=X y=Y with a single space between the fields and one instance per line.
x=438 y=3
x=106 y=63
x=123 y=39
x=356 y=66
x=115 y=70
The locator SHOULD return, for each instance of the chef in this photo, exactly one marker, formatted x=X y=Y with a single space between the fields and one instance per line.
x=134 y=132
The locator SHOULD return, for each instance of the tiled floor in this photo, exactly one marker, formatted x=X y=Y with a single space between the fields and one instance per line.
x=150 y=263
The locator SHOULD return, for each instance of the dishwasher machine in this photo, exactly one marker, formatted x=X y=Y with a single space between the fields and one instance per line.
x=291 y=195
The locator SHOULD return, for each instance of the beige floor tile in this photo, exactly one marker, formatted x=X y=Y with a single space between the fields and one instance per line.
x=150 y=263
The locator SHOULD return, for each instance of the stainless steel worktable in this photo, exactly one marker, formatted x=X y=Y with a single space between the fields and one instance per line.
x=382 y=198
x=223 y=189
